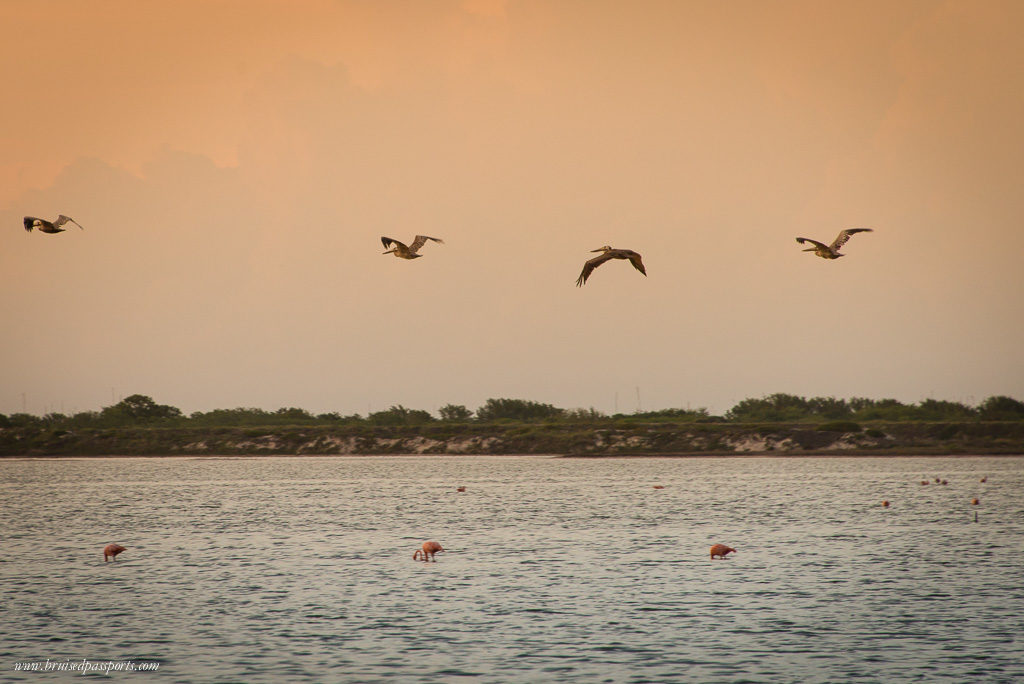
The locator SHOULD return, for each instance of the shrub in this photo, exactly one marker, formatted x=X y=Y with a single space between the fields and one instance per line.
x=516 y=409
x=139 y=408
x=933 y=410
x=1001 y=408
x=399 y=415
x=452 y=412
x=775 y=408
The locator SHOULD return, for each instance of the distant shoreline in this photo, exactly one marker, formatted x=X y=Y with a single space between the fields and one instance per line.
x=584 y=457
x=557 y=440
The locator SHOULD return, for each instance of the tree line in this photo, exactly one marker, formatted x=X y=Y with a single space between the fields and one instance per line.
x=140 y=410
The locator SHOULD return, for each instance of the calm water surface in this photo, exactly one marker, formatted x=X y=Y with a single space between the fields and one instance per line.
x=300 y=569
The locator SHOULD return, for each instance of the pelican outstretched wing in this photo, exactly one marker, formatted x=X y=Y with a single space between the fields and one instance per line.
x=634 y=259
x=844 y=235
x=819 y=245
x=30 y=222
x=62 y=219
x=422 y=240
x=589 y=266
x=387 y=242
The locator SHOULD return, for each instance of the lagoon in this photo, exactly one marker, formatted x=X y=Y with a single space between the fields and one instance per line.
x=569 y=570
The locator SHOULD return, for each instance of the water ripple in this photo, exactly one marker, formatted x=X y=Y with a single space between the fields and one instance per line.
x=300 y=569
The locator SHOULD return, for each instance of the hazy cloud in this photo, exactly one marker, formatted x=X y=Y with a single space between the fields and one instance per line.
x=234 y=175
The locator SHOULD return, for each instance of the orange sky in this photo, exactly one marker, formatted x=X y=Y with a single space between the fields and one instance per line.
x=235 y=163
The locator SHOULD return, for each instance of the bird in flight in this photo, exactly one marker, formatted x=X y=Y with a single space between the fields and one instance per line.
x=609 y=253
x=45 y=226
x=831 y=251
x=401 y=251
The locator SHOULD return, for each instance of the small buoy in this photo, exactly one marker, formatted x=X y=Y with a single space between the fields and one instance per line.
x=937 y=480
x=460 y=489
x=885 y=504
x=924 y=482
x=112 y=550
x=659 y=486
x=974 y=502
x=983 y=479
x=944 y=482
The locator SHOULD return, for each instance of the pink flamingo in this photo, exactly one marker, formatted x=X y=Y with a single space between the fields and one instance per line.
x=428 y=551
x=111 y=550
x=721 y=550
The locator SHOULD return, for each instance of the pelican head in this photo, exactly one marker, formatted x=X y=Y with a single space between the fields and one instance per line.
x=824 y=252
x=606 y=248
x=408 y=255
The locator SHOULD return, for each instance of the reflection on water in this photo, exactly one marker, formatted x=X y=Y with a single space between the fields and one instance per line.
x=300 y=569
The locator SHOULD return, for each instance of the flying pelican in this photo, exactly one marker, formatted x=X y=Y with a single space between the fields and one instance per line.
x=832 y=251
x=403 y=252
x=609 y=253
x=45 y=226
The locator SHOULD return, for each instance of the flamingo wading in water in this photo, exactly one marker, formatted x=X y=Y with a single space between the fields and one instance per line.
x=428 y=551
x=721 y=550
x=111 y=550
